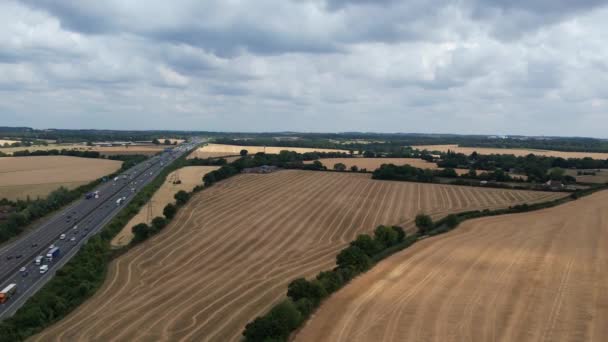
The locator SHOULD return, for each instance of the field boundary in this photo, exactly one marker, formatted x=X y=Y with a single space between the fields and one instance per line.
x=304 y=297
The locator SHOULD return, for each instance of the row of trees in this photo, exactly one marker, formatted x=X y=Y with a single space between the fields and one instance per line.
x=304 y=296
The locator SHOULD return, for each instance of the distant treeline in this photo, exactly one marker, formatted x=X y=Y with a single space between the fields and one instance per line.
x=537 y=168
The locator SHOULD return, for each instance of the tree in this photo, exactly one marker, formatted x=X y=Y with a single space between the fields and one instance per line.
x=330 y=280
x=159 y=223
x=302 y=288
x=353 y=257
x=169 y=211
x=367 y=244
x=155 y=141
x=385 y=236
x=452 y=221
x=140 y=232
x=182 y=197
x=340 y=167
x=244 y=153
x=167 y=142
x=424 y=223
x=354 y=168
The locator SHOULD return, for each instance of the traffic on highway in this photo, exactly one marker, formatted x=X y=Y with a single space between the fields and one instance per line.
x=29 y=262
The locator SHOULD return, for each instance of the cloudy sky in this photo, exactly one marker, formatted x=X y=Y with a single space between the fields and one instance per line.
x=537 y=67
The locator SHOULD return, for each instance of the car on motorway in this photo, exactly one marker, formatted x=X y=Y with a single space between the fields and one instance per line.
x=23 y=271
x=43 y=269
x=52 y=246
x=34 y=245
x=73 y=239
x=18 y=256
x=38 y=260
x=9 y=257
x=62 y=237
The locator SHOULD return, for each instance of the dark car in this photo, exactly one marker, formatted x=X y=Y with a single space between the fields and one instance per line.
x=9 y=257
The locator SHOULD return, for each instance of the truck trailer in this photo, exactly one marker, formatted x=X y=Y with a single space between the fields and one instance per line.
x=52 y=254
x=8 y=292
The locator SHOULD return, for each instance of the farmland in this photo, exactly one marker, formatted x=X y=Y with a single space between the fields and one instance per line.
x=104 y=150
x=189 y=177
x=538 y=276
x=38 y=176
x=230 y=252
x=514 y=151
x=598 y=176
x=373 y=163
x=219 y=150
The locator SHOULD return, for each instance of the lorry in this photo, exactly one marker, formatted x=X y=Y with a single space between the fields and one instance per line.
x=53 y=253
x=7 y=292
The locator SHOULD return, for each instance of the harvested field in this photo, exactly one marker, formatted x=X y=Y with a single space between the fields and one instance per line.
x=600 y=177
x=373 y=163
x=231 y=251
x=39 y=175
x=538 y=276
x=190 y=176
x=171 y=140
x=199 y=153
x=5 y=141
x=235 y=149
x=514 y=151
x=105 y=150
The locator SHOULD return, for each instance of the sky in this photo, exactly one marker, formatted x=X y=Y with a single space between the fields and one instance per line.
x=531 y=67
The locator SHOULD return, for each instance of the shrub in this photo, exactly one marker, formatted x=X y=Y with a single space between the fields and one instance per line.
x=368 y=245
x=302 y=288
x=169 y=211
x=353 y=257
x=424 y=223
x=158 y=223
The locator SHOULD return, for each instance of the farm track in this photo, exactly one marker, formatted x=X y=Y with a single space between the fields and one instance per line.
x=537 y=276
x=230 y=253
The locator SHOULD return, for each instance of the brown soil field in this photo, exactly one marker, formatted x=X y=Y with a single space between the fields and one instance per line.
x=373 y=163
x=189 y=176
x=514 y=151
x=600 y=177
x=39 y=175
x=539 y=276
x=231 y=251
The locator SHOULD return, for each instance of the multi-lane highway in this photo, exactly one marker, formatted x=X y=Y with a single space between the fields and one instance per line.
x=70 y=228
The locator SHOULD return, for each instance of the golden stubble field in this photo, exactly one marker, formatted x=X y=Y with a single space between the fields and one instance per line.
x=231 y=251
x=538 y=276
x=39 y=175
x=519 y=152
x=219 y=150
x=105 y=150
x=190 y=176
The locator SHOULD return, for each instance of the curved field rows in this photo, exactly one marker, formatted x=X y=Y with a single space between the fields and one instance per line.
x=538 y=276
x=230 y=253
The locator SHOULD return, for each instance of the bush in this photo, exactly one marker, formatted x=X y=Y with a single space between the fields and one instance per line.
x=282 y=319
x=330 y=280
x=386 y=236
x=141 y=232
x=302 y=288
x=169 y=211
x=158 y=223
x=181 y=197
x=353 y=257
x=368 y=245
x=424 y=223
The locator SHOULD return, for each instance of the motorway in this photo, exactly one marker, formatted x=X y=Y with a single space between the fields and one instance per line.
x=78 y=222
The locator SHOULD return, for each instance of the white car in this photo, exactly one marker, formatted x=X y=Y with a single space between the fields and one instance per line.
x=52 y=246
x=38 y=260
x=73 y=239
x=62 y=237
x=43 y=269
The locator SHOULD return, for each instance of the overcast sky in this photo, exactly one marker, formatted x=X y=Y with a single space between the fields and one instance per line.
x=535 y=67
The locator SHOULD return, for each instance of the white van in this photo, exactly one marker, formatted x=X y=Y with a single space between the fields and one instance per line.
x=38 y=260
x=43 y=269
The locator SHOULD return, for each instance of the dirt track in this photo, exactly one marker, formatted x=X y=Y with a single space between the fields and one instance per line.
x=39 y=175
x=520 y=152
x=230 y=253
x=540 y=276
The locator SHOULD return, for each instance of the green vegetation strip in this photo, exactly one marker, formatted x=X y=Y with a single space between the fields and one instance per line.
x=304 y=296
x=80 y=278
